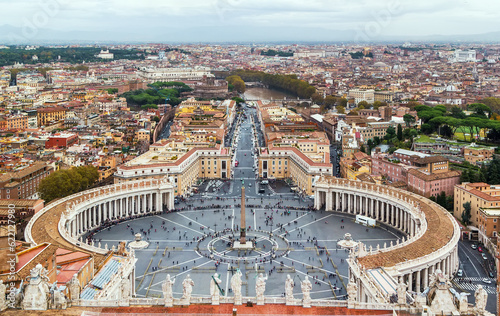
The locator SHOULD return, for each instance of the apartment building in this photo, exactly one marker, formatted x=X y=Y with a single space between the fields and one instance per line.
x=184 y=165
x=476 y=153
x=290 y=162
x=485 y=205
x=23 y=183
x=359 y=95
x=47 y=115
x=423 y=174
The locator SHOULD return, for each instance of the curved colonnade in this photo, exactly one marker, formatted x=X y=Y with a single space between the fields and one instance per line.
x=431 y=232
x=80 y=213
x=431 y=240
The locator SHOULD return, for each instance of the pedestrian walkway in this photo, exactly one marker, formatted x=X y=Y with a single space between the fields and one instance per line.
x=472 y=287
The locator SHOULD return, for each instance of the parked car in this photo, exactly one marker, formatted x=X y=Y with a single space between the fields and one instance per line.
x=487 y=281
x=491 y=274
x=484 y=256
x=480 y=249
x=474 y=246
x=460 y=273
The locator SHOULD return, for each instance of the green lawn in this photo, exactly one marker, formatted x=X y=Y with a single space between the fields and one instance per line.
x=424 y=139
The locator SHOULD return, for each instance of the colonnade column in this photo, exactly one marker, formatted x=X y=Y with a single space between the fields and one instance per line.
x=328 y=201
x=418 y=282
x=426 y=277
x=410 y=281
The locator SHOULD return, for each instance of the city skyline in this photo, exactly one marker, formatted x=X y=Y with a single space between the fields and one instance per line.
x=241 y=21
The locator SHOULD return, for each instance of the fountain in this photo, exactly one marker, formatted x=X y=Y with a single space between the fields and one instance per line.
x=138 y=243
x=347 y=242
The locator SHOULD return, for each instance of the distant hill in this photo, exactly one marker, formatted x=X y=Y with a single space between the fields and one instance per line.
x=221 y=34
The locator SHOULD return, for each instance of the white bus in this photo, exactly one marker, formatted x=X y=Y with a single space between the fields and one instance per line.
x=367 y=221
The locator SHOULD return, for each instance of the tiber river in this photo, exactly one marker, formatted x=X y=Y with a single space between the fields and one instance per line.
x=266 y=94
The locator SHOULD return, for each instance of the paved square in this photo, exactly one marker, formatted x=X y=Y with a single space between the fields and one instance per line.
x=195 y=240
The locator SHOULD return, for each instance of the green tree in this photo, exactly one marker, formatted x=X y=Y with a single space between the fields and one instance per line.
x=62 y=183
x=466 y=214
x=342 y=102
x=492 y=103
x=465 y=176
x=237 y=82
x=317 y=98
x=400 y=133
x=149 y=106
x=480 y=110
x=409 y=119
x=238 y=100
x=457 y=112
x=390 y=133
x=340 y=109
x=364 y=105
x=378 y=104
x=112 y=90
x=441 y=199
x=330 y=101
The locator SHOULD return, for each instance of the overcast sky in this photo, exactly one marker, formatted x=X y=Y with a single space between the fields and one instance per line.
x=242 y=20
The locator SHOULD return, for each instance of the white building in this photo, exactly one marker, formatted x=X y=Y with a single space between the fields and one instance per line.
x=462 y=56
x=105 y=54
x=174 y=74
x=362 y=95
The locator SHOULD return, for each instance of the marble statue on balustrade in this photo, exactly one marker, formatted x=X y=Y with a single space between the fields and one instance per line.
x=122 y=250
x=74 y=288
x=401 y=292
x=36 y=293
x=439 y=290
x=18 y=295
x=463 y=303
x=352 y=292
x=187 y=286
x=260 y=288
x=166 y=288
x=57 y=298
x=214 y=289
x=481 y=297
x=236 y=287
x=125 y=288
x=289 y=284
x=3 y=301
x=306 y=287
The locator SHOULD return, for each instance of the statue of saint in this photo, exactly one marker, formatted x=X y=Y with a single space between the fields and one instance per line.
x=125 y=287
x=481 y=297
x=214 y=289
x=306 y=287
x=401 y=292
x=236 y=287
x=187 y=286
x=74 y=288
x=3 y=290
x=352 y=291
x=289 y=284
x=166 y=288
x=260 y=288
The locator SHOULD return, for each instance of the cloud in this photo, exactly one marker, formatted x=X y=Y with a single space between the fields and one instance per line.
x=423 y=17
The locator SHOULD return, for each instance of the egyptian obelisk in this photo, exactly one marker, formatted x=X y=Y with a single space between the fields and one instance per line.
x=243 y=224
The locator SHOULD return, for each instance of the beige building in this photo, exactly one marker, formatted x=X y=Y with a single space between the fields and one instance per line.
x=290 y=162
x=142 y=135
x=359 y=95
x=474 y=153
x=485 y=205
x=184 y=165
